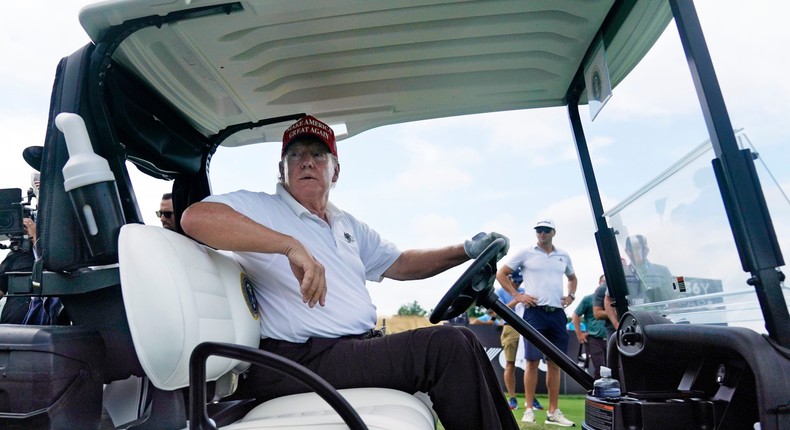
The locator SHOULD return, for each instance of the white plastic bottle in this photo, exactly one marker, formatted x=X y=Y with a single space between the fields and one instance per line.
x=91 y=187
x=606 y=387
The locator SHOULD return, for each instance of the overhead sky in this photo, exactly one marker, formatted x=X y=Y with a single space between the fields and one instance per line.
x=435 y=183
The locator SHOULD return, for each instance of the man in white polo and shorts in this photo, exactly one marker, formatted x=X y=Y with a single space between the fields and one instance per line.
x=543 y=266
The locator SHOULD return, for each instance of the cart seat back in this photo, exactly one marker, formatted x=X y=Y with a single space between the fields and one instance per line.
x=177 y=294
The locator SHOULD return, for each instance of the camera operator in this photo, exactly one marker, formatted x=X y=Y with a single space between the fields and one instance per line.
x=30 y=229
x=19 y=259
x=28 y=310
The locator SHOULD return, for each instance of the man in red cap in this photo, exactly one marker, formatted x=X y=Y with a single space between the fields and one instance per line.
x=309 y=261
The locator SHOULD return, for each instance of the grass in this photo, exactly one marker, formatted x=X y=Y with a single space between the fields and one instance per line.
x=572 y=407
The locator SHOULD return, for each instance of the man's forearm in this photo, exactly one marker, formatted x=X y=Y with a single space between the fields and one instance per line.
x=572 y=282
x=220 y=226
x=611 y=312
x=424 y=263
x=577 y=325
x=503 y=277
x=600 y=313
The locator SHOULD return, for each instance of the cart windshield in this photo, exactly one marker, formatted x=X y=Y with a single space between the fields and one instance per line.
x=661 y=196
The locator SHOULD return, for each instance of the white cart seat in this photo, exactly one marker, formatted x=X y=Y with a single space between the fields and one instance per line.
x=380 y=408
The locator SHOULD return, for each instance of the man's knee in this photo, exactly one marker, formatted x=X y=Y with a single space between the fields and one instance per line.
x=465 y=331
x=447 y=348
x=449 y=336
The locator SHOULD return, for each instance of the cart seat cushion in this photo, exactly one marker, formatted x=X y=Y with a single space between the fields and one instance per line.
x=380 y=408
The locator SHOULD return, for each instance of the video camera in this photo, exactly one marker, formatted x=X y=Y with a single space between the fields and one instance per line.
x=12 y=211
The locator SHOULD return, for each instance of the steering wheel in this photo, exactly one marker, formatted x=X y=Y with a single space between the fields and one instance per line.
x=467 y=288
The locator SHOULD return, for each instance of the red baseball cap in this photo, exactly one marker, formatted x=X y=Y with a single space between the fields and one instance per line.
x=312 y=127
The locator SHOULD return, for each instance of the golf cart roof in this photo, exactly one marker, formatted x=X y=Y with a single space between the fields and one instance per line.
x=231 y=65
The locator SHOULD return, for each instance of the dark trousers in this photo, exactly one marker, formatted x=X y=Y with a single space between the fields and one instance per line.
x=596 y=348
x=15 y=309
x=448 y=363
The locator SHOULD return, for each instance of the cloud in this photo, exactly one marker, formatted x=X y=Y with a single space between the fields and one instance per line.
x=431 y=230
x=538 y=137
x=16 y=134
x=31 y=54
x=439 y=178
x=31 y=45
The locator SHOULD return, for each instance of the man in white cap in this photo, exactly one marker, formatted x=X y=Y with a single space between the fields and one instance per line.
x=542 y=267
x=308 y=261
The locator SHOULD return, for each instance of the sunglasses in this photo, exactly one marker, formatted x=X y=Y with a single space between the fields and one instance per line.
x=543 y=230
x=167 y=214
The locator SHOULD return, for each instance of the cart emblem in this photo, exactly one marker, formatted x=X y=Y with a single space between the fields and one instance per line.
x=248 y=292
x=596 y=85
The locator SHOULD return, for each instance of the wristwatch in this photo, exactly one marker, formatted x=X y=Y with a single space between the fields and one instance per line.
x=572 y=296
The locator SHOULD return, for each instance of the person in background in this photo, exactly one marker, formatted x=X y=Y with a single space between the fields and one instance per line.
x=309 y=261
x=543 y=266
x=647 y=282
x=602 y=311
x=509 y=340
x=21 y=256
x=19 y=259
x=462 y=319
x=594 y=339
x=488 y=318
x=45 y=310
x=165 y=212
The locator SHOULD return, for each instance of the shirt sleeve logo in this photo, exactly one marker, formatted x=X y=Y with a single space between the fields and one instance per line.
x=349 y=238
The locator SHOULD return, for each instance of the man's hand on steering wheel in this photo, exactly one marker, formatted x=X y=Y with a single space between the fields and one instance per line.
x=477 y=280
x=479 y=242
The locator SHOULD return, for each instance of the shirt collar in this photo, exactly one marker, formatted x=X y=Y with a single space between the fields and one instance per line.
x=297 y=207
x=539 y=249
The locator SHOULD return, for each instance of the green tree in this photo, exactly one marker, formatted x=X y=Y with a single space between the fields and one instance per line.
x=412 y=308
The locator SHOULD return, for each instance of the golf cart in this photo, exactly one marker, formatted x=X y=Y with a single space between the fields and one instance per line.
x=167 y=86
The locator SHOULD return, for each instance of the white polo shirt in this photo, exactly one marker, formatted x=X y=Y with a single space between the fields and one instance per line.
x=350 y=251
x=543 y=273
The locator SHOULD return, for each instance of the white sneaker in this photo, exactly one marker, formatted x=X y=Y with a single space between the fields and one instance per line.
x=529 y=416
x=558 y=419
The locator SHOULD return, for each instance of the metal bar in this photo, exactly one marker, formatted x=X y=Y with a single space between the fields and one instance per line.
x=198 y=417
x=604 y=235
